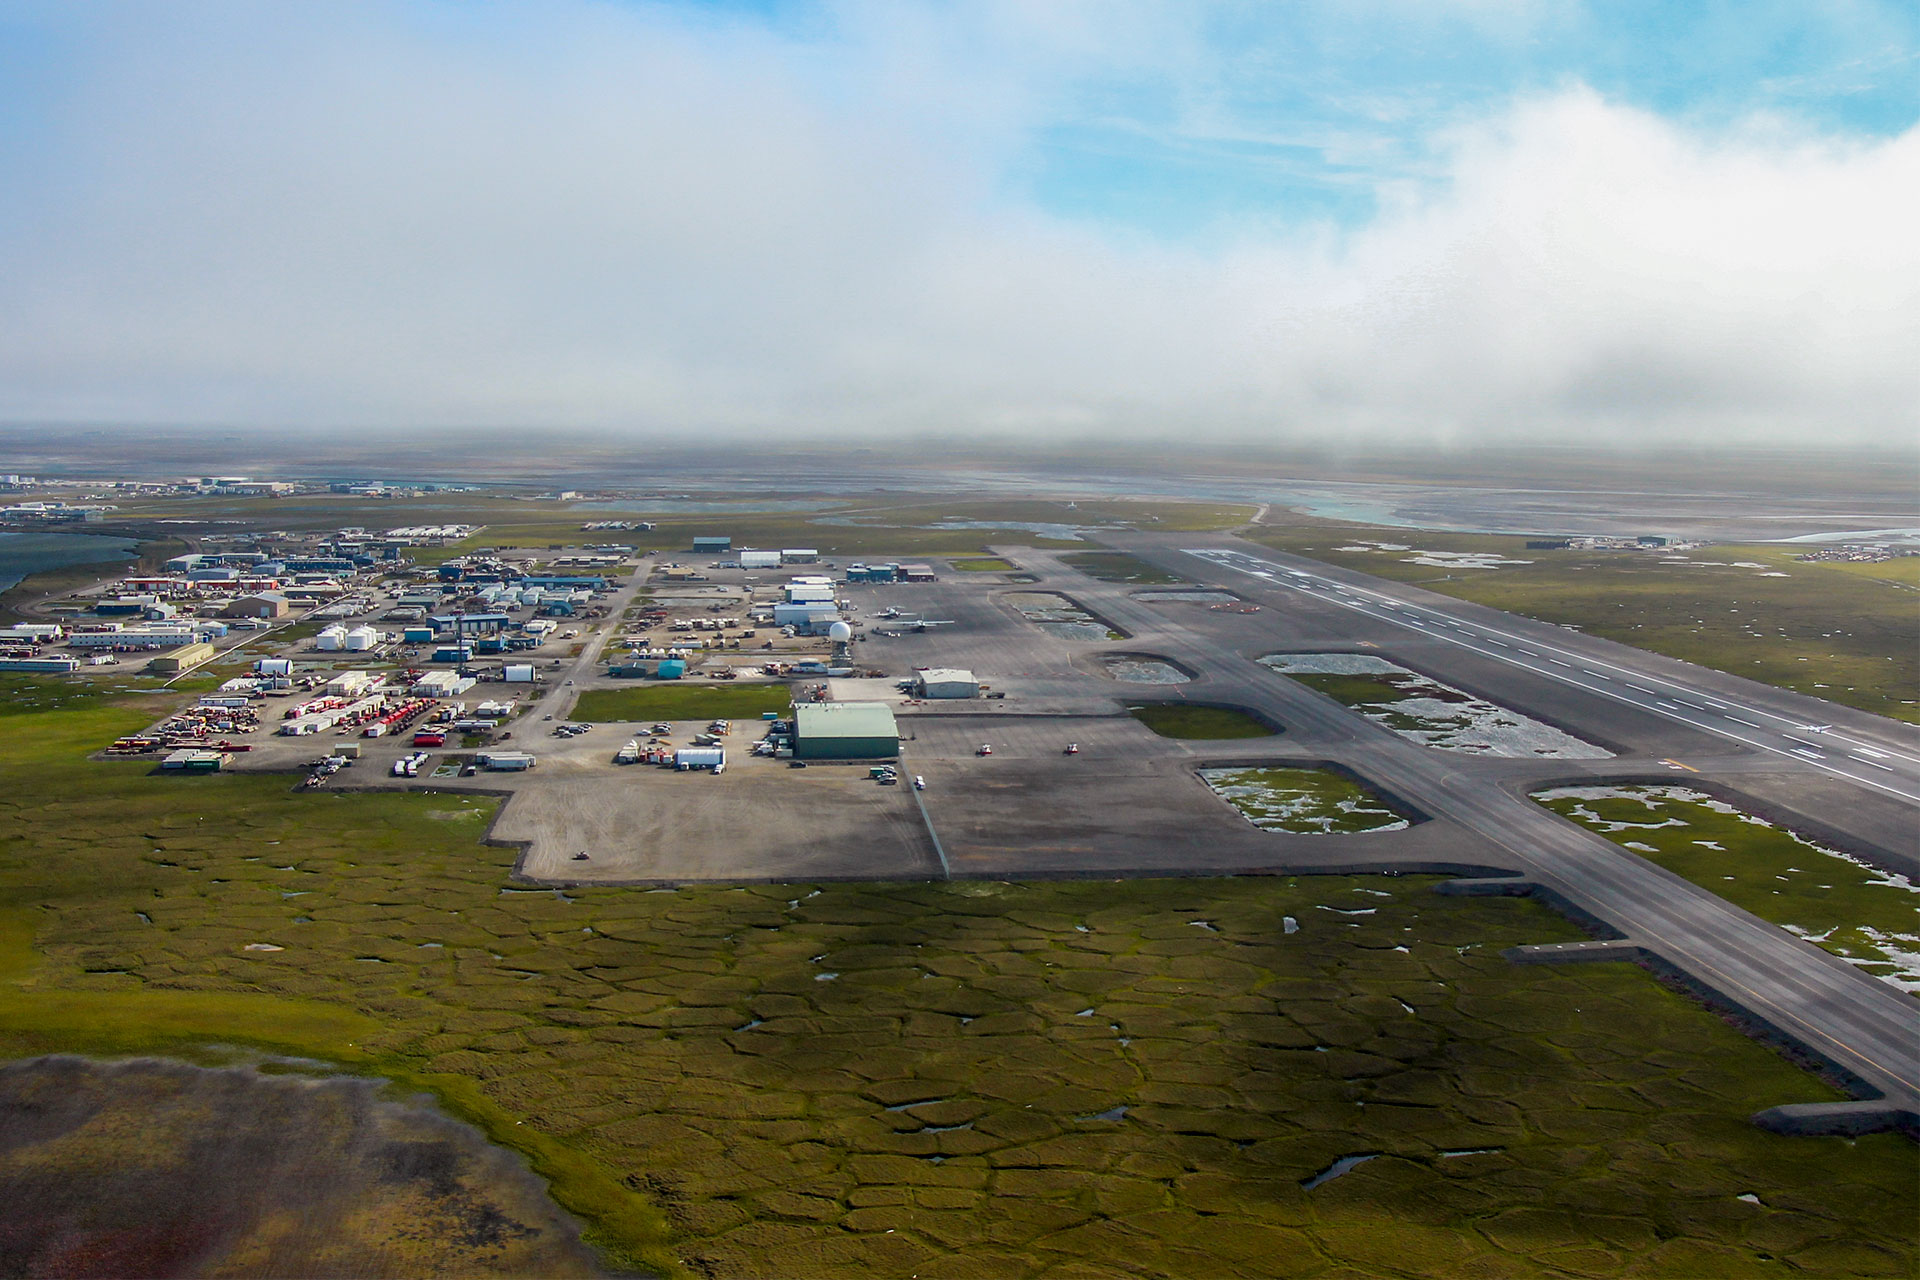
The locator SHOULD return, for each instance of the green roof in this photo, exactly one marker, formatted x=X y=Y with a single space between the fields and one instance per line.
x=844 y=720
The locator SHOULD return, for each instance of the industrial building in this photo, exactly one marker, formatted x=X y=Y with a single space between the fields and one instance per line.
x=181 y=659
x=845 y=731
x=945 y=682
x=759 y=559
x=264 y=604
x=708 y=546
x=810 y=618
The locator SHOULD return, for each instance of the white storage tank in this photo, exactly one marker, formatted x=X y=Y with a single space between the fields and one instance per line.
x=331 y=638
x=361 y=639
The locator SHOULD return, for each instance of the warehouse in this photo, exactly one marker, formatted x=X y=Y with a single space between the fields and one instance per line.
x=845 y=731
x=759 y=559
x=945 y=682
x=186 y=656
x=265 y=604
x=709 y=546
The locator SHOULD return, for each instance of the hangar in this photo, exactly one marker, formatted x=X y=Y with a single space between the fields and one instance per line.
x=845 y=731
x=945 y=682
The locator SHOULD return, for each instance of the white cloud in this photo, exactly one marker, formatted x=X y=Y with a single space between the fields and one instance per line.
x=583 y=215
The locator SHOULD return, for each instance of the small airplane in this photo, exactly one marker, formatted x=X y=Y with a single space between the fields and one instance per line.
x=921 y=624
x=1816 y=728
x=891 y=611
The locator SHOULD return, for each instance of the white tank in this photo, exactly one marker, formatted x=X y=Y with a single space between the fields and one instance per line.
x=334 y=637
x=361 y=639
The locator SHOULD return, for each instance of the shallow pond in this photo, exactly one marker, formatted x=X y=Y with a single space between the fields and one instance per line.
x=1867 y=916
x=1431 y=713
x=159 y=1168
x=1302 y=801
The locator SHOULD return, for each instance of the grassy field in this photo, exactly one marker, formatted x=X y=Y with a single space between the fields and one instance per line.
x=668 y=700
x=1174 y=720
x=942 y=1079
x=1865 y=916
x=1849 y=633
x=1118 y=566
x=984 y=564
x=1303 y=801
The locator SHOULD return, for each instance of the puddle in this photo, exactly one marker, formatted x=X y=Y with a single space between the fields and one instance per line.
x=1345 y=1164
x=1471 y=1151
x=1113 y=1114
x=1428 y=712
x=1289 y=925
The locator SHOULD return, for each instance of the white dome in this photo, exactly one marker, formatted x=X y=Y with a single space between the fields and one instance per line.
x=840 y=632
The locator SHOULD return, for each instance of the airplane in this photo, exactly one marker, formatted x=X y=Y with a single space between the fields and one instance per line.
x=1816 y=728
x=891 y=611
x=921 y=624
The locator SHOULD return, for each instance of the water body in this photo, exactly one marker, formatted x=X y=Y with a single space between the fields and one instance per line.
x=1429 y=712
x=157 y=1168
x=25 y=554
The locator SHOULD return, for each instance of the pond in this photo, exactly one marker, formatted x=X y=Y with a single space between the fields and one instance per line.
x=158 y=1168
x=1303 y=801
x=1431 y=713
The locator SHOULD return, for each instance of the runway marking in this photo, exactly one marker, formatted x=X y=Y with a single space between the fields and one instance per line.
x=1241 y=562
x=1874 y=763
x=1678 y=765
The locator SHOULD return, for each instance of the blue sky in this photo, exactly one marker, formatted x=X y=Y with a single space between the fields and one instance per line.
x=1268 y=113
x=1372 y=218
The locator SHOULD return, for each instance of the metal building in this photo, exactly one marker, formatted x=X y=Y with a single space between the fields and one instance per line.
x=946 y=682
x=845 y=731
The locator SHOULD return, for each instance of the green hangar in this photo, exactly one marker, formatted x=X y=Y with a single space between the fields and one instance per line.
x=845 y=731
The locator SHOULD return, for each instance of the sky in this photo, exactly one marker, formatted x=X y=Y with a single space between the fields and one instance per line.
x=1431 y=221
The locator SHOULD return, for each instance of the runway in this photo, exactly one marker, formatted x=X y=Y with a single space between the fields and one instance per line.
x=1661 y=712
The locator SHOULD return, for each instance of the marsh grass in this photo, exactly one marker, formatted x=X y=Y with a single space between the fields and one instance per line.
x=1005 y=1079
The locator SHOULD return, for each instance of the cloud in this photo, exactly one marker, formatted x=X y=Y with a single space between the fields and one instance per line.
x=585 y=215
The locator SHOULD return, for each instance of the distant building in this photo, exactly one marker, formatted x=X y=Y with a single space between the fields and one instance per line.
x=264 y=604
x=709 y=546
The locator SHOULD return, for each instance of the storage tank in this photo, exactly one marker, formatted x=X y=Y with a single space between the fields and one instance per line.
x=360 y=639
x=331 y=638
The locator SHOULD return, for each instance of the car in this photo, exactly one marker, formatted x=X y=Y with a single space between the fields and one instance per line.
x=796 y=764
x=547 y=717
x=919 y=783
x=1073 y=749
x=985 y=750
x=569 y=682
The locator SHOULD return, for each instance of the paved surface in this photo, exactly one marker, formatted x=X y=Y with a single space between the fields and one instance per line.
x=1862 y=1025
x=1130 y=803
